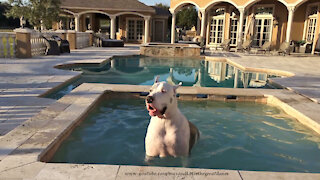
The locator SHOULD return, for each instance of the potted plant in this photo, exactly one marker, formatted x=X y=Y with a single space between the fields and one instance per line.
x=299 y=46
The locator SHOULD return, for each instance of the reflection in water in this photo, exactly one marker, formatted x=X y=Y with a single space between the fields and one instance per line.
x=191 y=72
x=139 y=70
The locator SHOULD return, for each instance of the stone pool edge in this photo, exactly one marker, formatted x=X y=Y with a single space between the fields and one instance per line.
x=24 y=146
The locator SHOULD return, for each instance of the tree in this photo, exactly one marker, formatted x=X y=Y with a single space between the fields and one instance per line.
x=7 y=23
x=162 y=5
x=187 y=17
x=37 y=12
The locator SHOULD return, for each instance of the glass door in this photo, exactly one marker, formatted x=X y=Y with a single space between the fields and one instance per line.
x=131 y=30
x=233 y=31
x=135 y=29
x=262 y=31
x=263 y=25
x=311 y=22
x=216 y=29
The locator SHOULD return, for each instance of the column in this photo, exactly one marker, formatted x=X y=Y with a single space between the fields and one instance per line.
x=203 y=23
x=198 y=23
x=236 y=76
x=317 y=31
x=77 y=22
x=289 y=24
x=23 y=36
x=146 y=29
x=240 y=27
x=173 y=28
x=113 y=27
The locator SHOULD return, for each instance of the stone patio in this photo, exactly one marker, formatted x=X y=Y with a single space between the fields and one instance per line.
x=23 y=80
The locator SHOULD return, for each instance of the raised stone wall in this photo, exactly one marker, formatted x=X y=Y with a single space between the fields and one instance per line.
x=169 y=50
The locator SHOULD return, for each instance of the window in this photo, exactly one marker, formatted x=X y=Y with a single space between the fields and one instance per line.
x=311 y=22
x=263 y=25
x=264 y=10
x=233 y=27
x=135 y=29
x=216 y=26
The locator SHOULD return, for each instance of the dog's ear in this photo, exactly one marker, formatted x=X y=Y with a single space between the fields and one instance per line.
x=156 y=79
x=175 y=87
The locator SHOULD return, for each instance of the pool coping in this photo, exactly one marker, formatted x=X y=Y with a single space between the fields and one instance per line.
x=34 y=140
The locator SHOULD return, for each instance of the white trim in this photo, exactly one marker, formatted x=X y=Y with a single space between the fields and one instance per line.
x=128 y=12
x=174 y=9
x=94 y=11
x=252 y=2
x=213 y=2
x=135 y=29
x=265 y=17
x=68 y=11
x=307 y=17
x=223 y=27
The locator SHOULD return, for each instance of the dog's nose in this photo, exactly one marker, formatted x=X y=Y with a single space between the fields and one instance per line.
x=149 y=99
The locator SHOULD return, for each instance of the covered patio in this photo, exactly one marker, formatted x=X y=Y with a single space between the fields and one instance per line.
x=129 y=20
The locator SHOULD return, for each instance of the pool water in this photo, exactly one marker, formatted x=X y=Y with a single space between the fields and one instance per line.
x=140 y=70
x=241 y=136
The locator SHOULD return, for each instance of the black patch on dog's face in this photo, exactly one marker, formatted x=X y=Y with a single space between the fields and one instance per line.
x=164 y=110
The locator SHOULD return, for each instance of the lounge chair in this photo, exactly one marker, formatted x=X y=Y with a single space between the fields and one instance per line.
x=245 y=46
x=225 y=45
x=265 y=47
x=103 y=41
x=284 y=49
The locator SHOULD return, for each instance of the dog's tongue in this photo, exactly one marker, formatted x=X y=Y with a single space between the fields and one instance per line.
x=153 y=111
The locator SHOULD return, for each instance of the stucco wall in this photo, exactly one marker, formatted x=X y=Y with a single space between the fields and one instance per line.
x=205 y=3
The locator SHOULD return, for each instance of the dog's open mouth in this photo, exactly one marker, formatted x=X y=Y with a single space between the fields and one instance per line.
x=153 y=111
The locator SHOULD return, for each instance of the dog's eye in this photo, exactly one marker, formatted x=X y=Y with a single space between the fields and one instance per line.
x=163 y=91
x=150 y=90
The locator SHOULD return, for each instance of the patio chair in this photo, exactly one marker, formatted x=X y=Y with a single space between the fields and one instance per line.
x=225 y=45
x=101 y=40
x=245 y=46
x=265 y=47
x=284 y=49
x=64 y=45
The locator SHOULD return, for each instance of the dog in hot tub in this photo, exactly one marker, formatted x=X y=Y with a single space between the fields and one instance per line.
x=169 y=132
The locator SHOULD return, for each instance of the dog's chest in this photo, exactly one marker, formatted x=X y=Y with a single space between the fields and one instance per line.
x=165 y=139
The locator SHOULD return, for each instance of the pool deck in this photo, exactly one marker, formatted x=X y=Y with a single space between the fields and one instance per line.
x=23 y=80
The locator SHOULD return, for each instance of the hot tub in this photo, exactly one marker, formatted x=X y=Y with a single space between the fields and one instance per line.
x=170 y=50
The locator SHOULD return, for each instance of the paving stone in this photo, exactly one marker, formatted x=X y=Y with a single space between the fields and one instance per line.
x=251 y=175
x=149 y=172
x=56 y=171
x=27 y=171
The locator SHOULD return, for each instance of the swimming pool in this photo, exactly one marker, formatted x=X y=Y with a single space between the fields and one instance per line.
x=141 y=70
x=243 y=136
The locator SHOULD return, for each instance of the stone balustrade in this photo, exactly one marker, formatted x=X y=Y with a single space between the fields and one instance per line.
x=26 y=43
x=82 y=40
x=38 y=44
x=7 y=44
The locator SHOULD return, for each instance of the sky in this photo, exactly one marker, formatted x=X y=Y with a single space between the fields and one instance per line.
x=153 y=2
x=148 y=2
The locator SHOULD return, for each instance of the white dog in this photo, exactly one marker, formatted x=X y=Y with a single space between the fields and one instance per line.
x=169 y=132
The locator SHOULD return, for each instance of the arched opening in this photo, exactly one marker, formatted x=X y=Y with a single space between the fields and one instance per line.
x=266 y=21
x=186 y=23
x=131 y=27
x=222 y=24
x=306 y=22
